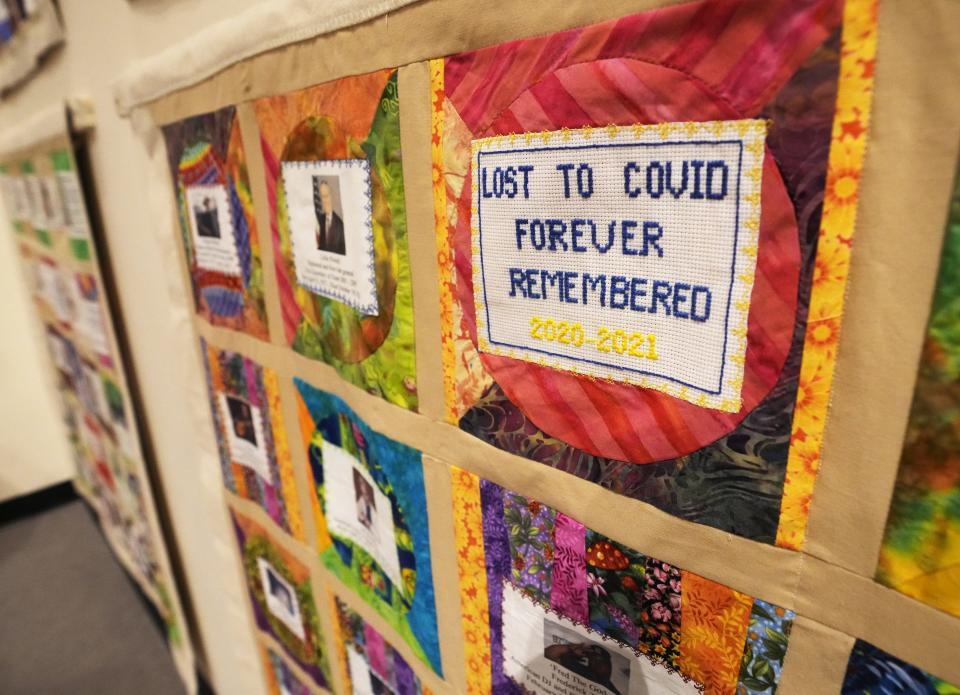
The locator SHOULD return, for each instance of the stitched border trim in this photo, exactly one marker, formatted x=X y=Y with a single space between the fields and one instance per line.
x=751 y=134
x=838 y=222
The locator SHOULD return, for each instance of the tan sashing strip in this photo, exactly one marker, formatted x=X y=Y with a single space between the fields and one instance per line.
x=896 y=250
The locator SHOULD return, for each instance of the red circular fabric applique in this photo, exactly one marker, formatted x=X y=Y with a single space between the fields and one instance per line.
x=616 y=420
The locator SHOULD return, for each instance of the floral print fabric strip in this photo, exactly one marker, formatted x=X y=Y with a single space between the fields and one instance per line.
x=531 y=526
x=766 y=647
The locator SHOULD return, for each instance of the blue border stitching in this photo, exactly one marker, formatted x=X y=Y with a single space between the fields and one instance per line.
x=733 y=265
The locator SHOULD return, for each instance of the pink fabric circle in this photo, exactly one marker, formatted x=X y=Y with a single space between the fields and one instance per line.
x=615 y=420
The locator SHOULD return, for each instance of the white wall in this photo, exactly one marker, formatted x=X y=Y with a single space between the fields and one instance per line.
x=103 y=37
x=33 y=439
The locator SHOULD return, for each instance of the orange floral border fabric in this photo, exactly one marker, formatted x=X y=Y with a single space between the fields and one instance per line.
x=288 y=482
x=471 y=565
x=464 y=376
x=715 y=620
x=444 y=257
x=832 y=265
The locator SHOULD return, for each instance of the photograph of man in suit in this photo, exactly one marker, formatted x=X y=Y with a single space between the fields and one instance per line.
x=330 y=235
x=208 y=224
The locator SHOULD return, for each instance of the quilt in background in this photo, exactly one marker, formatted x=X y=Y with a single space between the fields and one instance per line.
x=44 y=196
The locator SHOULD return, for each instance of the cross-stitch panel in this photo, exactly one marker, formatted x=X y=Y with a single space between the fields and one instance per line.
x=749 y=471
x=371 y=516
x=547 y=601
x=217 y=224
x=338 y=216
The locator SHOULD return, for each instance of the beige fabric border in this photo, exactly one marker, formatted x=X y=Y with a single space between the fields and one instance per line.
x=816 y=660
x=37 y=138
x=443 y=549
x=250 y=136
x=915 y=632
x=415 y=123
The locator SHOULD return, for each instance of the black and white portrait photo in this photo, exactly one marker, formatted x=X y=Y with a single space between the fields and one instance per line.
x=206 y=216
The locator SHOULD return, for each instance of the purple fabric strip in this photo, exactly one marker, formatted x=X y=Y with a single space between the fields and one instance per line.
x=569 y=593
x=404 y=677
x=376 y=655
x=251 y=374
x=530 y=526
x=496 y=546
x=272 y=504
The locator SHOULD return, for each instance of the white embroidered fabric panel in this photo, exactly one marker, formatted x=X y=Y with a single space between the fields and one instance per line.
x=549 y=654
x=281 y=598
x=623 y=253
x=211 y=225
x=333 y=248
x=357 y=510
x=245 y=437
